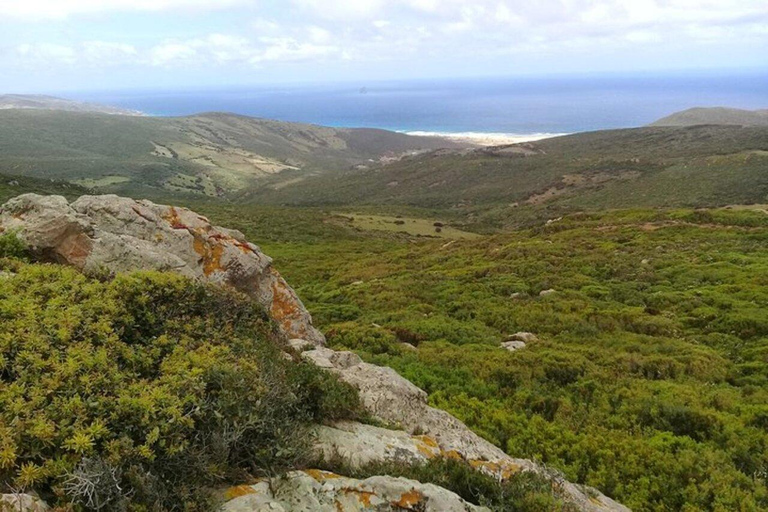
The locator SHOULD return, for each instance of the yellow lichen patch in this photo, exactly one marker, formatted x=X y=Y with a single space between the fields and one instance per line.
x=364 y=497
x=503 y=470
x=452 y=454
x=283 y=306
x=320 y=475
x=237 y=491
x=172 y=216
x=427 y=446
x=409 y=499
x=210 y=254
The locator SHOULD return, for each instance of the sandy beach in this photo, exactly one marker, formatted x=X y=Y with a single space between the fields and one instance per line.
x=488 y=139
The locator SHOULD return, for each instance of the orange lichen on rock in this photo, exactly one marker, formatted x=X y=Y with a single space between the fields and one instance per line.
x=364 y=497
x=503 y=470
x=283 y=306
x=172 y=216
x=210 y=254
x=409 y=499
x=320 y=475
x=236 y=492
x=427 y=446
x=452 y=454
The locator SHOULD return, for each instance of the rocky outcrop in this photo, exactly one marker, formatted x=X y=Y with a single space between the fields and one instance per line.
x=321 y=491
x=395 y=400
x=117 y=234
x=22 y=503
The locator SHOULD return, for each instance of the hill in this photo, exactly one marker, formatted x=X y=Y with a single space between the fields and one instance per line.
x=212 y=154
x=715 y=115
x=644 y=167
x=42 y=102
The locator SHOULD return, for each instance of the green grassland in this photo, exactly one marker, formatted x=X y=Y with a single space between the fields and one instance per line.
x=408 y=225
x=649 y=379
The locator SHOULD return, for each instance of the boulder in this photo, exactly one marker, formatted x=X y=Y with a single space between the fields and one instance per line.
x=22 y=503
x=322 y=491
x=544 y=293
x=526 y=337
x=513 y=346
x=116 y=234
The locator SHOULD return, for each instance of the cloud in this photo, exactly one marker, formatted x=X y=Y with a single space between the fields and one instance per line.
x=224 y=49
x=53 y=9
x=87 y=53
x=436 y=32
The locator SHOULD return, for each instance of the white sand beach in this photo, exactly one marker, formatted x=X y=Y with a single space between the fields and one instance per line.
x=488 y=139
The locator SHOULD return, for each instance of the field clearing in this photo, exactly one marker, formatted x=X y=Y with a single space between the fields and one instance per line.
x=409 y=225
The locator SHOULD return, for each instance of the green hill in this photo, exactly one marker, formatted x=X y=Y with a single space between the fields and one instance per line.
x=210 y=154
x=716 y=115
x=644 y=167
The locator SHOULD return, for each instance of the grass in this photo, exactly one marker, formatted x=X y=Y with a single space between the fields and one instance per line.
x=408 y=225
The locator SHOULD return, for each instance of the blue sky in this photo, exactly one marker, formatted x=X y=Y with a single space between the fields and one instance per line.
x=59 y=45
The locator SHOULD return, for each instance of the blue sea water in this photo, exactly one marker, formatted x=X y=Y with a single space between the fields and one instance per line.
x=499 y=105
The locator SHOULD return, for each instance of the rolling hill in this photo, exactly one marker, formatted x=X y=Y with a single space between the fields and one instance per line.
x=644 y=167
x=211 y=154
x=717 y=115
x=43 y=102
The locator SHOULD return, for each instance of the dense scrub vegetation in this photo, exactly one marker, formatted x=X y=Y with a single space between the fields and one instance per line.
x=650 y=377
x=146 y=391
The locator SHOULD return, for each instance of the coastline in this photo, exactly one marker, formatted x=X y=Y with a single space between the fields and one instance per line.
x=486 y=139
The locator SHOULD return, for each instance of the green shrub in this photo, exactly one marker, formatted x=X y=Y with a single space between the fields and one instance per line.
x=148 y=386
x=12 y=247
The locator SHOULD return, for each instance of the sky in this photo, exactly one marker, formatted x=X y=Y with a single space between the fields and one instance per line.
x=60 y=45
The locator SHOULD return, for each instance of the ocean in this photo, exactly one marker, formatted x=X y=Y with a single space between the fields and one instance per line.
x=513 y=106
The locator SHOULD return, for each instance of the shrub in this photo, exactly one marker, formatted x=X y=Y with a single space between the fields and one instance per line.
x=148 y=386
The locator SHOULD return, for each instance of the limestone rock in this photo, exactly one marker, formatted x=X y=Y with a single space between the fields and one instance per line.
x=513 y=346
x=526 y=337
x=358 y=444
x=321 y=491
x=544 y=293
x=22 y=503
x=119 y=234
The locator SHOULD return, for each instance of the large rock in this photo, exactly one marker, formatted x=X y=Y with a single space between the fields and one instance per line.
x=321 y=491
x=118 y=234
x=395 y=400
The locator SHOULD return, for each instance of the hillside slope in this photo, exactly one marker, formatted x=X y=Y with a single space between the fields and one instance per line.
x=645 y=167
x=42 y=102
x=210 y=154
x=715 y=115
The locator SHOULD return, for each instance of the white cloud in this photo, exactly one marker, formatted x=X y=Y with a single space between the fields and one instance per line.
x=90 y=53
x=223 y=49
x=52 y=9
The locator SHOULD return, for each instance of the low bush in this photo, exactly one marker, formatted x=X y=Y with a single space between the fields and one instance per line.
x=146 y=391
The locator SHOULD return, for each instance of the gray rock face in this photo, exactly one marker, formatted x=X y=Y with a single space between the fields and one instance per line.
x=321 y=491
x=119 y=234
